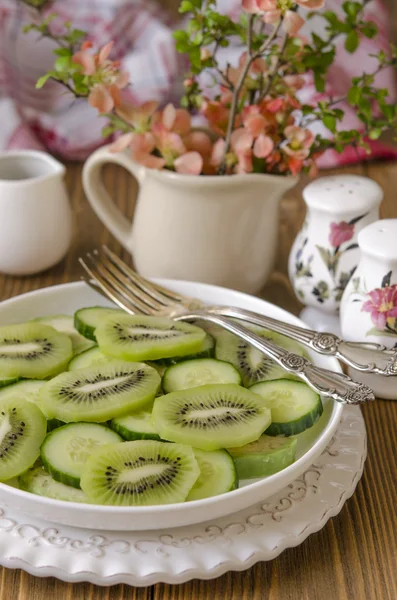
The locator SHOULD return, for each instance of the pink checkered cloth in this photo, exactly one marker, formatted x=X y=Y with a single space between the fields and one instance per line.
x=50 y=119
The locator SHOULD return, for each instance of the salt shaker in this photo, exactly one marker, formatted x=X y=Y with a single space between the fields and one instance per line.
x=325 y=252
x=369 y=303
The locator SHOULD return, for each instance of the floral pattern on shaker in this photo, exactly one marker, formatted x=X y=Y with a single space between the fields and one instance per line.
x=339 y=235
x=382 y=306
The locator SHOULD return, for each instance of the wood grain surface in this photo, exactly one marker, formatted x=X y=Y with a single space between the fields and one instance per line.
x=354 y=557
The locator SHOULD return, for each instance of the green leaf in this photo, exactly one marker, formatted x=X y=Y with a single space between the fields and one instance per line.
x=62 y=52
x=380 y=332
x=352 y=9
x=319 y=81
x=180 y=35
x=352 y=41
x=186 y=6
x=375 y=134
x=40 y=82
x=369 y=29
x=354 y=95
x=62 y=63
x=330 y=122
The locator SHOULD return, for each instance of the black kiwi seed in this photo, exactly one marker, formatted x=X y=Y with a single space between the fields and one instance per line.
x=125 y=335
x=46 y=347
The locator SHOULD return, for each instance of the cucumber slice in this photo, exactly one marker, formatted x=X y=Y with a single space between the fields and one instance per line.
x=86 y=320
x=193 y=373
x=89 y=358
x=217 y=474
x=66 y=450
x=266 y=456
x=207 y=351
x=27 y=389
x=295 y=407
x=38 y=481
x=64 y=323
x=136 y=426
x=6 y=381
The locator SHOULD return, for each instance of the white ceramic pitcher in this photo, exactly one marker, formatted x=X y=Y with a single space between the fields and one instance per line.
x=219 y=230
x=35 y=216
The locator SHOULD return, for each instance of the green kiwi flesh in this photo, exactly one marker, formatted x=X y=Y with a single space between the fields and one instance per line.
x=33 y=350
x=211 y=417
x=140 y=473
x=135 y=337
x=99 y=393
x=22 y=430
x=251 y=363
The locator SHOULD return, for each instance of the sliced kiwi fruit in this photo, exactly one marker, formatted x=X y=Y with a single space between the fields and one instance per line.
x=253 y=365
x=207 y=350
x=33 y=350
x=210 y=417
x=99 y=393
x=144 y=472
x=64 y=324
x=22 y=431
x=266 y=456
x=86 y=320
x=38 y=481
x=135 y=337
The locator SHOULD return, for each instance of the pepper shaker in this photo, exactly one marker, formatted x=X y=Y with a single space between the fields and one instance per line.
x=325 y=252
x=369 y=303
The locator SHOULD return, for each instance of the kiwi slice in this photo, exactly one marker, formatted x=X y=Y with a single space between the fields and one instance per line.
x=266 y=456
x=252 y=364
x=86 y=320
x=22 y=431
x=144 y=472
x=210 y=417
x=33 y=350
x=135 y=337
x=99 y=393
x=38 y=481
x=207 y=350
x=64 y=323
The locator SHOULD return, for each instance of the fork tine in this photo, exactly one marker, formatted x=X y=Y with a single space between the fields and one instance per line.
x=129 y=296
x=120 y=299
x=156 y=291
x=126 y=282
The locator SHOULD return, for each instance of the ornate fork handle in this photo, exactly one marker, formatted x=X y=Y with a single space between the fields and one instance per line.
x=327 y=383
x=371 y=358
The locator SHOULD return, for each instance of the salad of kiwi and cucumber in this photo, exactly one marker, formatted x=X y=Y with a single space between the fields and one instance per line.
x=109 y=408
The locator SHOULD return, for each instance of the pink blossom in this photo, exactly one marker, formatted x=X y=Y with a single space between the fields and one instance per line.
x=382 y=306
x=272 y=16
x=298 y=142
x=311 y=4
x=139 y=117
x=263 y=146
x=340 y=232
x=104 y=97
x=257 y=6
x=176 y=119
x=217 y=114
x=239 y=159
x=292 y=22
x=190 y=163
x=141 y=146
x=295 y=82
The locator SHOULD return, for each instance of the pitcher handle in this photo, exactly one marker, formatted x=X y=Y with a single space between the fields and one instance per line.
x=100 y=201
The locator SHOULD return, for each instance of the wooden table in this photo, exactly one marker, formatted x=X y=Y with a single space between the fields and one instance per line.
x=355 y=556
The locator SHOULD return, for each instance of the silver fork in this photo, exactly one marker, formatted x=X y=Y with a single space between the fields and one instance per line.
x=130 y=291
x=366 y=357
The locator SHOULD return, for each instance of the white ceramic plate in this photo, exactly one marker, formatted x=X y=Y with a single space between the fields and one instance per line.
x=65 y=299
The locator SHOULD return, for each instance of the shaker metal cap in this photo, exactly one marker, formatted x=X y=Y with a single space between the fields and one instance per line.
x=379 y=239
x=343 y=194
